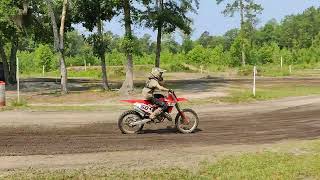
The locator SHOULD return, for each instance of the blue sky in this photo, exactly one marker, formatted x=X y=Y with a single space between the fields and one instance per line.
x=209 y=17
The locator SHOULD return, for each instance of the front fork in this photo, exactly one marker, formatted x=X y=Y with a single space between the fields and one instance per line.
x=185 y=119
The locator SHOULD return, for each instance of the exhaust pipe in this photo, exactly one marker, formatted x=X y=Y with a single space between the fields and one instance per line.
x=140 y=122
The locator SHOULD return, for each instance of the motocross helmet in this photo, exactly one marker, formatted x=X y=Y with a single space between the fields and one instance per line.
x=157 y=73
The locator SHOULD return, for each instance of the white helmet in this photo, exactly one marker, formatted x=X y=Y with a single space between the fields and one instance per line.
x=157 y=73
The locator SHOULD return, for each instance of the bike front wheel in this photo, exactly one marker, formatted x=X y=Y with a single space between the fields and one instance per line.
x=189 y=127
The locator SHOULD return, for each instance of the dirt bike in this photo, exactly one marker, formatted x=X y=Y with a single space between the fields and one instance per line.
x=133 y=121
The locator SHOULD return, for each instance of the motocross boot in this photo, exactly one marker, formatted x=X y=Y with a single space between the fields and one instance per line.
x=155 y=114
x=167 y=116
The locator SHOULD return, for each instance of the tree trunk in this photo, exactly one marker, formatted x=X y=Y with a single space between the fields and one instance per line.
x=105 y=84
x=63 y=69
x=5 y=63
x=25 y=6
x=243 y=54
x=54 y=26
x=158 y=52
x=159 y=35
x=127 y=85
x=241 y=13
x=59 y=42
x=13 y=60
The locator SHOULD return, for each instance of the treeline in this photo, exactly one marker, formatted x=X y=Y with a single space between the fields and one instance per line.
x=42 y=31
x=46 y=22
x=295 y=39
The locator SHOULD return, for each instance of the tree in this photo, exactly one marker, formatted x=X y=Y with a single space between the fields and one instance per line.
x=159 y=4
x=169 y=43
x=299 y=31
x=59 y=41
x=92 y=14
x=187 y=43
x=208 y=41
x=229 y=37
x=14 y=19
x=205 y=39
x=268 y=33
x=248 y=10
x=43 y=56
x=74 y=43
x=166 y=17
x=145 y=44
x=127 y=44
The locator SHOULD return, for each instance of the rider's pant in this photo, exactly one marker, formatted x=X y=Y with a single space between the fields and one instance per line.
x=159 y=103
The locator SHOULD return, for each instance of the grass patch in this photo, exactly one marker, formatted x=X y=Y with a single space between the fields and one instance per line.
x=268 y=93
x=17 y=104
x=244 y=95
x=274 y=70
x=265 y=165
x=262 y=165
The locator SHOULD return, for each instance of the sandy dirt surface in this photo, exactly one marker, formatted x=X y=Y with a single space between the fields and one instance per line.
x=67 y=139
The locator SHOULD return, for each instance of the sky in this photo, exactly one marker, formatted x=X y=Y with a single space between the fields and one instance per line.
x=210 y=18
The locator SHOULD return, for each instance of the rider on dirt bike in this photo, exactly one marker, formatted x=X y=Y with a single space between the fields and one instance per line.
x=152 y=84
x=157 y=109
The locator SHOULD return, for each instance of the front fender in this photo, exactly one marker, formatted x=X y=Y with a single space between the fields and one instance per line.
x=185 y=110
x=182 y=99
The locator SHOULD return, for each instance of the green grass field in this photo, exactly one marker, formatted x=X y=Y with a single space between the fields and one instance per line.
x=269 y=93
x=244 y=94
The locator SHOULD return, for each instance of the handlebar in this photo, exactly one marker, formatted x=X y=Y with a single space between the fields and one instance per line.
x=173 y=93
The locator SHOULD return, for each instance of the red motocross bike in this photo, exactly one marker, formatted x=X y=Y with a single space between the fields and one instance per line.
x=133 y=121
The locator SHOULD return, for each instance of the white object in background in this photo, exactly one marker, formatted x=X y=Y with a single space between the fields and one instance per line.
x=18 y=80
x=290 y=69
x=2 y=94
x=85 y=65
x=254 y=80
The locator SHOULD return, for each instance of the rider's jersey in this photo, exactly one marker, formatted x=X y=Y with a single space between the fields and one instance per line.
x=150 y=87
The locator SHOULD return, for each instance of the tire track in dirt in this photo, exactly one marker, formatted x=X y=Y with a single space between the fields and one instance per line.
x=298 y=123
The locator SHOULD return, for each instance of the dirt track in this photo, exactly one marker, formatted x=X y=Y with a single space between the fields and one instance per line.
x=81 y=139
x=269 y=126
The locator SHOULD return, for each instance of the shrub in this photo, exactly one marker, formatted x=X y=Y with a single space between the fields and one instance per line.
x=43 y=56
x=115 y=58
x=198 y=56
x=21 y=103
x=26 y=62
x=245 y=70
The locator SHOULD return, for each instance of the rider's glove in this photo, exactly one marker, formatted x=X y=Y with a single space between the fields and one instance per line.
x=170 y=90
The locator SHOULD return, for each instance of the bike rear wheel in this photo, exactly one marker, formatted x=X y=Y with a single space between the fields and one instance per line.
x=191 y=126
x=126 y=119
